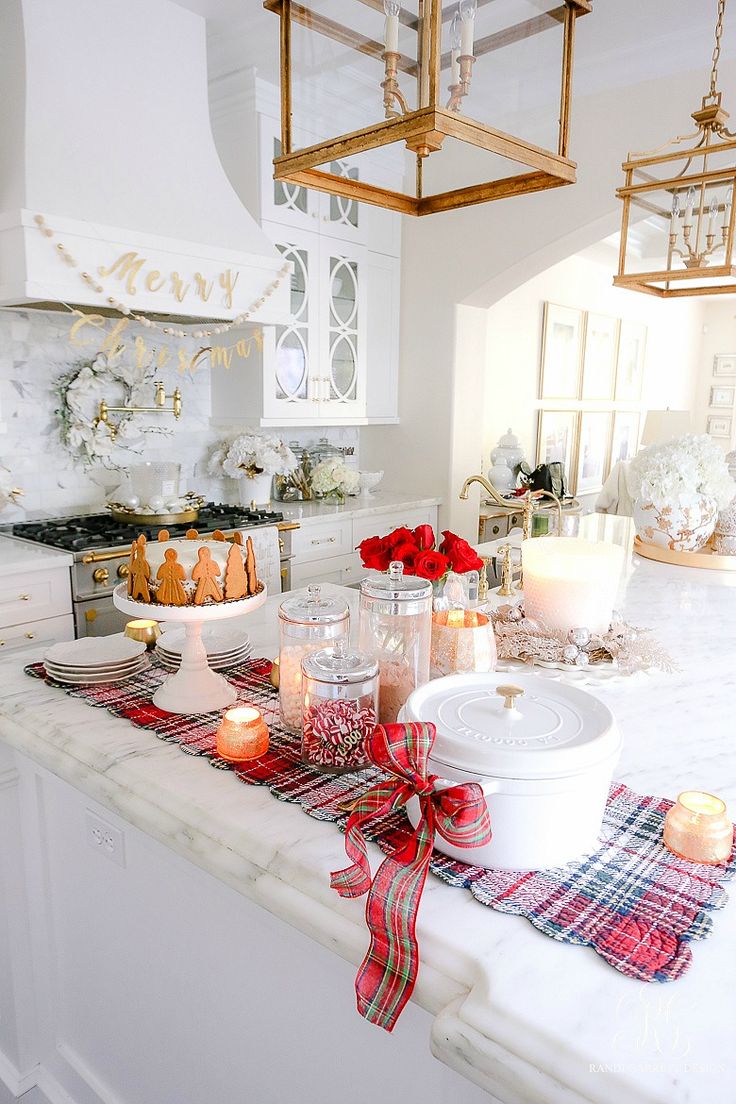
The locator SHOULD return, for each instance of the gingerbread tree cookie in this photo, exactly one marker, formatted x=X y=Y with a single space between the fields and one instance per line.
x=171 y=576
x=250 y=567
x=204 y=574
x=236 y=580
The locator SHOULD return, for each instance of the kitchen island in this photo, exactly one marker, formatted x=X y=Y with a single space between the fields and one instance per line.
x=207 y=933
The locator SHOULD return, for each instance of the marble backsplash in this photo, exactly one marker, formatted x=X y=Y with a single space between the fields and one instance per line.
x=34 y=352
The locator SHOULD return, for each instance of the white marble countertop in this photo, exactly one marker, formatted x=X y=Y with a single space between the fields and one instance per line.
x=531 y=1020
x=21 y=556
x=382 y=502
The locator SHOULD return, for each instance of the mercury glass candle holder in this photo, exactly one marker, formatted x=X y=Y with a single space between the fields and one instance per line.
x=462 y=640
x=698 y=828
x=146 y=631
x=242 y=735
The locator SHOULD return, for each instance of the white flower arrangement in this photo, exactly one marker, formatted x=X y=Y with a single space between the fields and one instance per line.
x=679 y=472
x=333 y=478
x=253 y=454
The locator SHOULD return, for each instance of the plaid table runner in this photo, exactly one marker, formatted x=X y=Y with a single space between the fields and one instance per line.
x=632 y=901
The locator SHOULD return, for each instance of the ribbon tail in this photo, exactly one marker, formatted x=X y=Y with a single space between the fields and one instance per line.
x=355 y=880
x=387 y=975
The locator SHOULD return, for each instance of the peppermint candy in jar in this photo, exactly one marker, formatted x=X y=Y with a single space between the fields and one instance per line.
x=340 y=708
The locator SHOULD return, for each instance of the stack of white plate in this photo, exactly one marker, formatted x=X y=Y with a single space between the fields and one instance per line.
x=226 y=646
x=95 y=659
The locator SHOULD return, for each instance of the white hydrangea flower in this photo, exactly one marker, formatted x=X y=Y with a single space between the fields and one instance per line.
x=252 y=453
x=680 y=471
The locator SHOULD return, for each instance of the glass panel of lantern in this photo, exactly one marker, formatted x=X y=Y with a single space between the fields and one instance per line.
x=500 y=66
x=678 y=228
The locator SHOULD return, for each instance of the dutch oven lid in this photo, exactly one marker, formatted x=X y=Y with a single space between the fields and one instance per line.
x=514 y=725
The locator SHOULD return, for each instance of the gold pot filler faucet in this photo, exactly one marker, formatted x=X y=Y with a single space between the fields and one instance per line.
x=159 y=407
x=529 y=502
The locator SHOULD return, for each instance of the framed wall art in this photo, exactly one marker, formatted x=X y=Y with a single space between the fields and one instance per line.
x=556 y=437
x=593 y=451
x=724 y=364
x=630 y=361
x=625 y=437
x=719 y=425
x=599 y=356
x=561 y=352
x=723 y=395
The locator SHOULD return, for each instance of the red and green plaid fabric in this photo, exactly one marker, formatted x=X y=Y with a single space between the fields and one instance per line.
x=388 y=973
x=632 y=901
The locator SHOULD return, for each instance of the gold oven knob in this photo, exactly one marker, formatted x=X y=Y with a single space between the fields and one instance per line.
x=509 y=694
x=101 y=575
x=124 y=571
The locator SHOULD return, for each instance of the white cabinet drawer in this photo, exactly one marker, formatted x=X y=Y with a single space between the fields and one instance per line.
x=34 y=595
x=378 y=525
x=325 y=538
x=340 y=570
x=35 y=635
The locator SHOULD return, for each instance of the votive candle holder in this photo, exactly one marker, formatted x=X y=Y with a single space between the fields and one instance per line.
x=698 y=828
x=242 y=735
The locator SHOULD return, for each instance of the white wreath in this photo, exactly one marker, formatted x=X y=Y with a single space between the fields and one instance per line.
x=119 y=384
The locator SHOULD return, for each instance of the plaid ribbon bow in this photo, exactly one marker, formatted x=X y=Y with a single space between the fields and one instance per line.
x=387 y=975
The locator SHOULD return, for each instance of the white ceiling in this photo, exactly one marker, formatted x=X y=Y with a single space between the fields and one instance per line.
x=621 y=42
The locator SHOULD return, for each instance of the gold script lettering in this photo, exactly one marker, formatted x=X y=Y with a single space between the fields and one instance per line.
x=127 y=264
x=204 y=287
x=220 y=354
x=110 y=345
x=164 y=355
x=95 y=320
x=228 y=283
x=179 y=287
x=151 y=279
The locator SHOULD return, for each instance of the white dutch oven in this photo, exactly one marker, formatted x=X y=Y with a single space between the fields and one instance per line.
x=543 y=752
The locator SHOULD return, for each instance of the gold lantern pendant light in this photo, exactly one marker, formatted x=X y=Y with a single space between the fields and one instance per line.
x=678 y=213
x=420 y=68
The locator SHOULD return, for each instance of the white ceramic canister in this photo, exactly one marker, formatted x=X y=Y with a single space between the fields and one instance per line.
x=544 y=753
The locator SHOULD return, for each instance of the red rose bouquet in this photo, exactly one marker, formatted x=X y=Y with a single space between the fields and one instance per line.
x=416 y=549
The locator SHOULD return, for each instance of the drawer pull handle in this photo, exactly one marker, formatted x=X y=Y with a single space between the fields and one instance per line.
x=31 y=636
x=325 y=540
x=2 y=643
x=24 y=597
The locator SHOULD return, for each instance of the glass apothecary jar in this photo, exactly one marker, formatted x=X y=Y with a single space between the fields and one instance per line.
x=396 y=629
x=340 y=708
x=307 y=623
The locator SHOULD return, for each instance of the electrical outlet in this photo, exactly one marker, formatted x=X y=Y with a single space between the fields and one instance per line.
x=106 y=839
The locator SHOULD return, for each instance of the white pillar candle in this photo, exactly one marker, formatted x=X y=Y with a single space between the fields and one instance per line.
x=570 y=583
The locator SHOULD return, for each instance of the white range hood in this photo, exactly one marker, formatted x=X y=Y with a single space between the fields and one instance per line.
x=106 y=135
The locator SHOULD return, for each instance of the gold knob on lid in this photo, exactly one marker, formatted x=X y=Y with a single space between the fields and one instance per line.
x=509 y=695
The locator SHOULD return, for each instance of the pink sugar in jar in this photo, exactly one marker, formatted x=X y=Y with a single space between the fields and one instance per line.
x=308 y=622
x=340 y=690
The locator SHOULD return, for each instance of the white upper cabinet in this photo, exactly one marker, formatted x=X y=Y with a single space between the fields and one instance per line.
x=333 y=357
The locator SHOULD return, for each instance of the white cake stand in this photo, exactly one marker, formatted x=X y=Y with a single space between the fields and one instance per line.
x=194 y=688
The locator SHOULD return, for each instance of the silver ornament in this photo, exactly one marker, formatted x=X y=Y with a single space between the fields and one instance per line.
x=581 y=660
x=515 y=614
x=579 y=636
x=570 y=653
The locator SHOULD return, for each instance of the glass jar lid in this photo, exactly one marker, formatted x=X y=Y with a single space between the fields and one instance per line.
x=314 y=608
x=339 y=665
x=396 y=586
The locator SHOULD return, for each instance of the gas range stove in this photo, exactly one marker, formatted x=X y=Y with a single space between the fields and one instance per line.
x=101 y=547
x=90 y=532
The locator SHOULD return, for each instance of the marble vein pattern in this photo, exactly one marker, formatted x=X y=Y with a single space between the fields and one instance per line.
x=528 y=1019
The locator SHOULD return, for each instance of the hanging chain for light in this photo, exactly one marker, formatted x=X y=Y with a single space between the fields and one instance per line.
x=717 y=51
